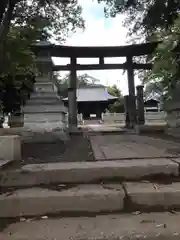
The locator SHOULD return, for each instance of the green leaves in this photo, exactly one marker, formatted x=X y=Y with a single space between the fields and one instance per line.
x=53 y=19
x=143 y=17
x=18 y=58
x=114 y=91
x=167 y=61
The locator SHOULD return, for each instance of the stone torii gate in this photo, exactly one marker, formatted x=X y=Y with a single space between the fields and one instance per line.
x=73 y=53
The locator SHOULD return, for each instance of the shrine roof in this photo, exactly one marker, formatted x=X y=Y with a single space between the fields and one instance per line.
x=93 y=94
x=96 y=51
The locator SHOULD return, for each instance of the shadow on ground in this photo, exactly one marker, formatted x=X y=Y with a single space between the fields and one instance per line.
x=77 y=149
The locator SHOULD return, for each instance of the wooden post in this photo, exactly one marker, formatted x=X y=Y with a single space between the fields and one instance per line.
x=72 y=98
x=140 y=105
x=131 y=87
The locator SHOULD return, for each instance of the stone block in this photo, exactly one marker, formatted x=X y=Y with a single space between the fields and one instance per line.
x=10 y=148
x=88 y=172
x=4 y=163
x=41 y=201
x=51 y=133
x=152 y=128
x=149 y=196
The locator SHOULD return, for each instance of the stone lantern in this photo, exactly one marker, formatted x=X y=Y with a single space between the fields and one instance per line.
x=44 y=109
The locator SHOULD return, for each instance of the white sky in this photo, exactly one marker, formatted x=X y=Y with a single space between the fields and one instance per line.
x=101 y=32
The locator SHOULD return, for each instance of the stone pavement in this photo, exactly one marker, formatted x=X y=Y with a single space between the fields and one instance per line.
x=153 y=226
x=131 y=146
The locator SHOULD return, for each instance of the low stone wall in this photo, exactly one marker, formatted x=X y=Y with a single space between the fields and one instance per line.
x=150 y=117
x=155 y=117
x=113 y=117
x=36 y=134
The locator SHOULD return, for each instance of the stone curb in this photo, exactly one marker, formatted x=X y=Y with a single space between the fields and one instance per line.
x=146 y=196
x=90 y=199
x=43 y=201
x=89 y=172
x=150 y=129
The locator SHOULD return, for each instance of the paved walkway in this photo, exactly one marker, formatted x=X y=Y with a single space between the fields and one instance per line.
x=128 y=146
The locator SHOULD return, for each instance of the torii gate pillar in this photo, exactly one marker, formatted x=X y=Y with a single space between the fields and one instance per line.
x=72 y=98
x=131 y=87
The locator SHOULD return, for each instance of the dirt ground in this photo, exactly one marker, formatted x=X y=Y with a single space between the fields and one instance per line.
x=78 y=149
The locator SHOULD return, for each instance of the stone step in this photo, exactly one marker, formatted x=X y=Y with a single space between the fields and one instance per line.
x=153 y=226
x=90 y=172
x=81 y=199
x=90 y=199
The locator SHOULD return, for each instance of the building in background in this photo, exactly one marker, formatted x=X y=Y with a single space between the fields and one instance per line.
x=92 y=100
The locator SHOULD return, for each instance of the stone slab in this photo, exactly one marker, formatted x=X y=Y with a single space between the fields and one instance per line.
x=42 y=201
x=4 y=163
x=154 y=196
x=154 y=128
x=88 y=172
x=176 y=160
x=97 y=151
x=132 y=150
x=153 y=226
x=130 y=147
x=10 y=148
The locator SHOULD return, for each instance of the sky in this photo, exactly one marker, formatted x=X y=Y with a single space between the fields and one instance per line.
x=101 y=31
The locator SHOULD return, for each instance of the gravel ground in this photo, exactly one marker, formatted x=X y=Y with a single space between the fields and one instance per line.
x=78 y=149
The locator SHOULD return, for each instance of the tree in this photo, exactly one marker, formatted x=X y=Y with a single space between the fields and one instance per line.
x=154 y=89
x=45 y=19
x=17 y=77
x=114 y=91
x=117 y=106
x=23 y=22
x=144 y=18
x=166 y=69
x=54 y=18
x=57 y=16
x=82 y=80
x=146 y=21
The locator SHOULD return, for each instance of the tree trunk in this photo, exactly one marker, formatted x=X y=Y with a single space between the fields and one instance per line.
x=7 y=20
x=4 y=4
x=4 y=29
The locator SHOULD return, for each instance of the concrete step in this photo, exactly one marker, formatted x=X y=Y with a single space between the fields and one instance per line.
x=153 y=226
x=90 y=199
x=90 y=172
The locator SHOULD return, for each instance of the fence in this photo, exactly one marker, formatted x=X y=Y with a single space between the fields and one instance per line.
x=79 y=118
x=113 y=117
x=120 y=117
x=155 y=117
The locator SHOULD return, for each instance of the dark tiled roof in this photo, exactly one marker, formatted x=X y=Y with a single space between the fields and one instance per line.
x=94 y=94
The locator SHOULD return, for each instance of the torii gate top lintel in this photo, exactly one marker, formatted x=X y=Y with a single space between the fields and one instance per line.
x=96 y=51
